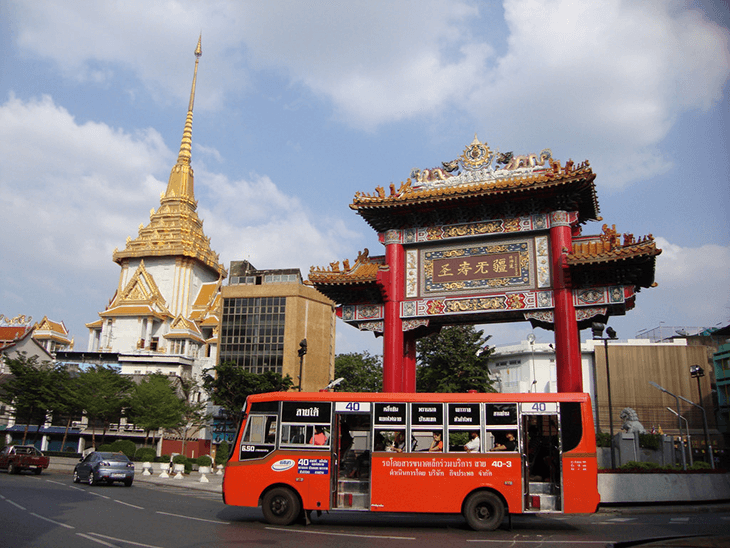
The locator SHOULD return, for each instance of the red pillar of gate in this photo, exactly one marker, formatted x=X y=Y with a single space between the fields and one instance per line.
x=393 y=284
x=567 y=341
x=409 y=362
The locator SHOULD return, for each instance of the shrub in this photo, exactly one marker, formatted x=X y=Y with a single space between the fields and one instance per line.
x=603 y=439
x=145 y=454
x=700 y=465
x=162 y=458
x=221 y=455
x=639 y=466
x=179 y=459
x=127 y=447
x=650 y=441
x=458 y=439
x=204 y=460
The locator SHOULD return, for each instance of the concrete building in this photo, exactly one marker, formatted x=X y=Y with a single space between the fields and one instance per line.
x=266 y=314
x=632 y=364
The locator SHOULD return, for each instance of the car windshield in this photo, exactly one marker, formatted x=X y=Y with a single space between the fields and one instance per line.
x=115 y=457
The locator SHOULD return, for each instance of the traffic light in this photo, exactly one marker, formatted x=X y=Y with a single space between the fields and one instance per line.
x=302 y=348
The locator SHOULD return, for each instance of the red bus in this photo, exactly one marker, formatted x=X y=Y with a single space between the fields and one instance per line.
x=483 y=455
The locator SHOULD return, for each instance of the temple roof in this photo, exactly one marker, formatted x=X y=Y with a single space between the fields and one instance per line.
x=482 y=184
x=351 y=285
x=605 y=260
x=175 y=228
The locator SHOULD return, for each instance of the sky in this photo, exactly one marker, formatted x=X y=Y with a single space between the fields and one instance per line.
x=299 y=105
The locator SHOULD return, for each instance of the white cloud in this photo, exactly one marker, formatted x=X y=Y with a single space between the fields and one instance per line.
x=693 y=284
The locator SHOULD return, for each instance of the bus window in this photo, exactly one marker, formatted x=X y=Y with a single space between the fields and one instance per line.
x=427 y=424
x=389 y=423
x=464 y=426
x=501 y=427
x=572 y=429
x=259 y=438
x=306 y=424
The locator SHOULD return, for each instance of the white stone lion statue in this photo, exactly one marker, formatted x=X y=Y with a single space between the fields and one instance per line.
x=631 y=421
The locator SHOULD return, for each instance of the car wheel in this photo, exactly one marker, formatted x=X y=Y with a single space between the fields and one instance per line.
x=91 y=477
x=281 y=506
x=483 y=511
x=77 y=479
x=128 y=482
x=12 y=469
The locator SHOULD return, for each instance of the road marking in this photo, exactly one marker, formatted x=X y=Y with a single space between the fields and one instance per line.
x=196 y=519
x=99 y=541
x=544 y=541
x=15 y=504
x=56 y=482
x=679 y=520
x=123 y=541
x=127 y=504
x=98 y=495
x=621 y=520
x=53 y=521
x=337 y=534
x=77 y=488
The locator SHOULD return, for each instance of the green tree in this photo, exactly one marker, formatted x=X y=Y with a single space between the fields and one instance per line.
x=31 y=389
x=155 y=404
x=229 y=385
x=361 y=371
x=68 y=403
x=453 y=360
x=104 y=394
x=194 y=415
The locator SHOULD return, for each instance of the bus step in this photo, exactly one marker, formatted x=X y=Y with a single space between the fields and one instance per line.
x=353 y=485
x=352 y=500
x=542 y=488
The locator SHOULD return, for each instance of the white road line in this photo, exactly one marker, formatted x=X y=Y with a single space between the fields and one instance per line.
x=337 y=534
x=15 y=504
x=127 y=504
x=98 y=495
x=196 y=519
x=77 y=488
x=679 y=520
x=53 y=521
x=124 y=541
x=99 y=541
x=57 y=482
x=621 y=520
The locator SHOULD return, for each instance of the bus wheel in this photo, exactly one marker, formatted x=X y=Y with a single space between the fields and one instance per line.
x=483 y=511
x=281 y=506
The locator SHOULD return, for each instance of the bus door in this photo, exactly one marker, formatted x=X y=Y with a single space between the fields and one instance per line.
x=351 y=456
x=541 y=457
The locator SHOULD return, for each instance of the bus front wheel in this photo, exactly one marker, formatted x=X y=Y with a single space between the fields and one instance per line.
x=281 y=506
x=483 y=511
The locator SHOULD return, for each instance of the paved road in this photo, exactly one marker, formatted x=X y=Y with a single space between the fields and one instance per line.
x=49 y=510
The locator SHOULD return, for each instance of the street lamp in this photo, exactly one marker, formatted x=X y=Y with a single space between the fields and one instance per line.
x=531 y=340
x=689 y=440
x=679 y=420
x=697 y=372
x=597 y=329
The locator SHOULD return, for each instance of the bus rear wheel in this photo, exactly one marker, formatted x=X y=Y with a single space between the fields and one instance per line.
x=483 y=511
x=281 y=506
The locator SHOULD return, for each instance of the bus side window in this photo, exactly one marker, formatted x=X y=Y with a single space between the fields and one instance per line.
x=463 y=428
x=572 y=425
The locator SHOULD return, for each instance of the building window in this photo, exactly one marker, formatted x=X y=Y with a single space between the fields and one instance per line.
x=252 y=333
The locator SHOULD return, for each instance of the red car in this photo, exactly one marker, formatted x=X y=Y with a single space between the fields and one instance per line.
x=15 y=458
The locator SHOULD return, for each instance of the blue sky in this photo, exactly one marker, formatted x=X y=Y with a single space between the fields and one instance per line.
x=301 y=104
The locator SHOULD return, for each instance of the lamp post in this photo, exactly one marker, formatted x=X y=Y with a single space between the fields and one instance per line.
x=679 y=420
x=531 y=340
x=597 y=329
x=689 y=440
x=697 y=372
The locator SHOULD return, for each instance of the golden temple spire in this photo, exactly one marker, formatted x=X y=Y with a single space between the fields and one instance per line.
x=180 y=184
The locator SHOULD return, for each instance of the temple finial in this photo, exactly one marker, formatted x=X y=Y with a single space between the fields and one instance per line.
x=187 y=138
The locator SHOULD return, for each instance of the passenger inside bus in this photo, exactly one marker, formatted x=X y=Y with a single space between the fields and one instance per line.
x=399 y=442
x=509 y=443
x=437 y=444
x=319 y=438
x=472 y=445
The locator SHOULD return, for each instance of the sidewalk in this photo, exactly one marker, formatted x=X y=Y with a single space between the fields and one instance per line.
x=187 y=481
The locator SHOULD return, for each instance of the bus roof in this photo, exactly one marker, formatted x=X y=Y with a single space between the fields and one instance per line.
x=496 y=397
